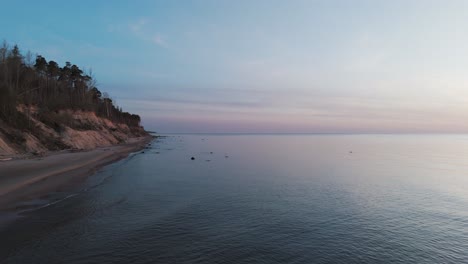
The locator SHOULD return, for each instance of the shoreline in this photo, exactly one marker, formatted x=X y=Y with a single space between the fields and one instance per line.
x=28 y=179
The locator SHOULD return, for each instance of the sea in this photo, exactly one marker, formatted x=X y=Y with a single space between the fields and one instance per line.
x=259 y=198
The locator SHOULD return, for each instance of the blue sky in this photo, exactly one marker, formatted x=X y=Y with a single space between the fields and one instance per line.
x=263 y=66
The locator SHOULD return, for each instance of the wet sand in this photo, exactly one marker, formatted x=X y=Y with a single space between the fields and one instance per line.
x=27 y=179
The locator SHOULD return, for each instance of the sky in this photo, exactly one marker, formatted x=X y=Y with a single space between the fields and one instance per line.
x=254 y=66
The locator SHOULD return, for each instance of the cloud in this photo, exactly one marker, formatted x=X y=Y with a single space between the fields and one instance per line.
x=159 y=40
x=142 y=29
x=281 y=111
x=137 y=26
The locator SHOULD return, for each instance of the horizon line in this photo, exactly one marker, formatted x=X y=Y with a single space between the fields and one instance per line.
x=309 y=133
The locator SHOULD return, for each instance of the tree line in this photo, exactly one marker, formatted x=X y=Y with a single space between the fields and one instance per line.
x=37 y=82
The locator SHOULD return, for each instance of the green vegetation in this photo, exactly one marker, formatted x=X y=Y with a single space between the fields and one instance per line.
x=51 y=88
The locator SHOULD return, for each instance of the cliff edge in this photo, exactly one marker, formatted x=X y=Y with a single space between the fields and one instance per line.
x=59 y=130
x=47 y=107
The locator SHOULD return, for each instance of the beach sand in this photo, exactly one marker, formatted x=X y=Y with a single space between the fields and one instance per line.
x=27 y=179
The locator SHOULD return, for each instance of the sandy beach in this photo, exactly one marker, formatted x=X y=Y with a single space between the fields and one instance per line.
x=26 y=179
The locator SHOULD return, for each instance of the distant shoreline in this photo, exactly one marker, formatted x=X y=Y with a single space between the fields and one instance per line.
x=27 y=179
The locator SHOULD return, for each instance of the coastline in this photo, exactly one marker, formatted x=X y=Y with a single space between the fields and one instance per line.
x=28 y=179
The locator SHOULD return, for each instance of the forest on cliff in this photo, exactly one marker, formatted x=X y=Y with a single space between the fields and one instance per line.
x=33 y=81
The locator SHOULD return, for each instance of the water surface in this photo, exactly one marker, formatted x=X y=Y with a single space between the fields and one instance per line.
x=261 y=199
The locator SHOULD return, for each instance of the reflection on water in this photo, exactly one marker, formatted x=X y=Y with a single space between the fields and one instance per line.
x=262 y=199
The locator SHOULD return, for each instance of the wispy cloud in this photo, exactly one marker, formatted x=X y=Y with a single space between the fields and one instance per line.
x=159 y=40
x=143 y=29
x=137 y=26
x=303 y=112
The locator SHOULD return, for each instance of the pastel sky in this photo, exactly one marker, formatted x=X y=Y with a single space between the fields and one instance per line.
x=263 y=66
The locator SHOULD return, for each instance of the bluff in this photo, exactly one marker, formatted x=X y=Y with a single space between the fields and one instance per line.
x=46 y=107
x=63 y=129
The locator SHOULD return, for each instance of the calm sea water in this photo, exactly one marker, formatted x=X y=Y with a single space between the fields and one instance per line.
x=261 y=199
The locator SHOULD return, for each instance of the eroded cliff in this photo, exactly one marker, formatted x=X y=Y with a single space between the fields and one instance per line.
x=64 y=129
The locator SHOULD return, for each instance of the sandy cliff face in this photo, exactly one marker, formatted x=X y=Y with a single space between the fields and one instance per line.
x=5 y=147
x=78 y=130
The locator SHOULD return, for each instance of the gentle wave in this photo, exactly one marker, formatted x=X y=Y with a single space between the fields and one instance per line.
x=276 y=199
